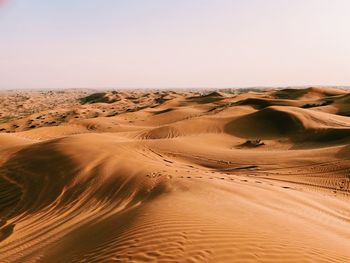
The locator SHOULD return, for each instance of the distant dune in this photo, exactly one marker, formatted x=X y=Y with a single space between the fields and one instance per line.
x=175 y=176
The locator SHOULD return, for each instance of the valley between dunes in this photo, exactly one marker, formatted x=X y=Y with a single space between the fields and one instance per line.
x=177 y=176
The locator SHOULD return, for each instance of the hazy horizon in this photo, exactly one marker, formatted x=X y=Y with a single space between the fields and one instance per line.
x=181 y=44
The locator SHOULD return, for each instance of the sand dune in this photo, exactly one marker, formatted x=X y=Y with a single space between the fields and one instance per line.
x=278 y=121
x=161 y=176
x=307 y=93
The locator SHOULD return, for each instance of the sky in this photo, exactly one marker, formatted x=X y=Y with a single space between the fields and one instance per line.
x=173 y=43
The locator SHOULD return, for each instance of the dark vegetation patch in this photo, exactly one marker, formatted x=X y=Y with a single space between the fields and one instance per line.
x=7 y=118
x=252 y=143
x=322 y=103
x=100 y=97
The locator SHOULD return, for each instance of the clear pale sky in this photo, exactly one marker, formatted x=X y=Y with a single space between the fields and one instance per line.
x=173 y=43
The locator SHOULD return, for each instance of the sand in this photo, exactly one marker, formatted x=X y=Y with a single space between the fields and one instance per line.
x=175 y=176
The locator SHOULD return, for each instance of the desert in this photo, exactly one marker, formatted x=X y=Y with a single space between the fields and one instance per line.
x=190 y=175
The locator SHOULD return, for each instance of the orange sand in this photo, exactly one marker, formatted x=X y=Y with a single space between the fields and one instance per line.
x=169 y=177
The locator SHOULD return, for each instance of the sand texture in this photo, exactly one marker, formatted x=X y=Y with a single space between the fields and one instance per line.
x=175 y=176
